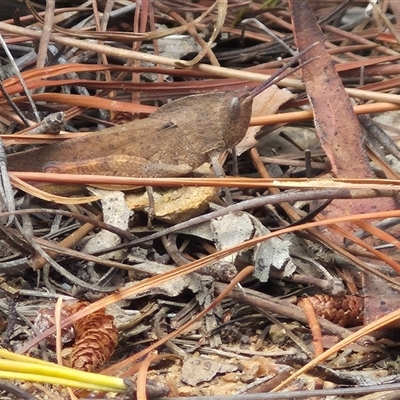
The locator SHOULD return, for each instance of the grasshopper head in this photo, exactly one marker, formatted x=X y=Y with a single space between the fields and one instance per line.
x=238 y=110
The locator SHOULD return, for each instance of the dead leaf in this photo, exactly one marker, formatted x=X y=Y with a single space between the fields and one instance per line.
x=197 y=369
x=116 y=213
x=266 y=103
x=271 y=253
x=174 y=205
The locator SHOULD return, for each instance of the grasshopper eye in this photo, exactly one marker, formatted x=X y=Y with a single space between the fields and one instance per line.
x=234 y=106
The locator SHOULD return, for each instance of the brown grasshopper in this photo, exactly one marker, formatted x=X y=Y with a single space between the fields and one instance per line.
x=173 y=141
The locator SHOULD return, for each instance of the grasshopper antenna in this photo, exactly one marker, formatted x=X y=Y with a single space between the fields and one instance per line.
x=283 y=72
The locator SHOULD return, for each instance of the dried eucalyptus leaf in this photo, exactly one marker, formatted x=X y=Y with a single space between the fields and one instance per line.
x=235 y=228
x=266 y=103
x=116 y=213
x=198 y=369
x=273 y=252
x=230 y=230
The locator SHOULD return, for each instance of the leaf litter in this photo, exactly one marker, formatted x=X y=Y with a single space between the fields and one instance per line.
x=258 y=335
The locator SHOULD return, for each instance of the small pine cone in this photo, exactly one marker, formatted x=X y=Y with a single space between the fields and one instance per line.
x=345 y=311
x=96 y=338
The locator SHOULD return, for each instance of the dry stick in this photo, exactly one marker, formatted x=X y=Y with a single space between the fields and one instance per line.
x=139 y=25
x=289 y=183
x=314 y=325
x=288 y=331
x=142 y=376
x=46 y=32
x=7 y=199
x=100 y=26
x=50 y=246
x=209 y=69
x=152 y=24
x=290 y=162
x=55 y=248
x=307 y=115
x=57 y=322
x=339 y=392
x=222 y=7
